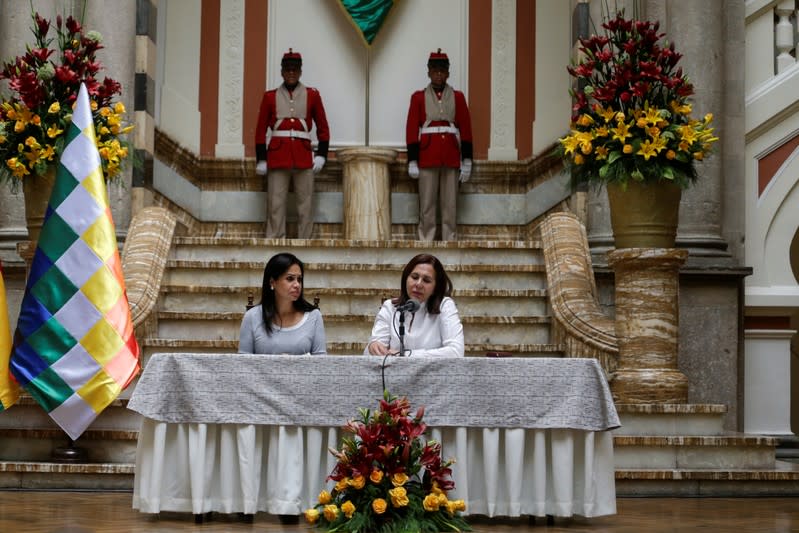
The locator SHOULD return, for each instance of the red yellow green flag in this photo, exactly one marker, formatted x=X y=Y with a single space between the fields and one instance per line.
x=9 y=390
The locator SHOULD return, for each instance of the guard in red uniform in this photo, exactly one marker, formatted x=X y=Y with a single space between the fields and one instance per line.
x=289 y=112
x=439 y=138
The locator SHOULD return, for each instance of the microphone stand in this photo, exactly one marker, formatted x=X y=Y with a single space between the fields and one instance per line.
x=402 y=333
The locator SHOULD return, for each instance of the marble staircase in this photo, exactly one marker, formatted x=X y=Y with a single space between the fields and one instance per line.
x=502 y=295
x=500 y=290
x=683 y=450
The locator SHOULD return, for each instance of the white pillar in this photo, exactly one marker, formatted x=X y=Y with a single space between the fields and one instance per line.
x=767 y=381
x=503 y=81
x=231 y=68
x=553 y=103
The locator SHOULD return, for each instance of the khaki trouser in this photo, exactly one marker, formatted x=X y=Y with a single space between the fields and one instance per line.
x=277 y=194
x=438 y=183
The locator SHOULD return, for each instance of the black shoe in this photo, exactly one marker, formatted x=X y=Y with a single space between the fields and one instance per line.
x=246 y=518
x=289 y=519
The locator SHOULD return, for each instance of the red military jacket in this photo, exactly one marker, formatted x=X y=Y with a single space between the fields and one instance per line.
x=438 y=149
x=288 y=152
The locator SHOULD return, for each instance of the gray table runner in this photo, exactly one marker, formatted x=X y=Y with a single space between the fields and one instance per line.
x=542 y=393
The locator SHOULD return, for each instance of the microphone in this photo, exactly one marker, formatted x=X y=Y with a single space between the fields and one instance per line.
x=410 y=306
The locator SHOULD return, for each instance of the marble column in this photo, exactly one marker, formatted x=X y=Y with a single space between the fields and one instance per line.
x=367 y=192
x=647 y=325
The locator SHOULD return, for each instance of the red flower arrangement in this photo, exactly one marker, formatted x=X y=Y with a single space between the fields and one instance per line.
x=631 y=117
x=388 y=480
x=44 y=83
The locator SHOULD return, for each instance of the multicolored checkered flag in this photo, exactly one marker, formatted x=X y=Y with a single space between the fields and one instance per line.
x=74 y=349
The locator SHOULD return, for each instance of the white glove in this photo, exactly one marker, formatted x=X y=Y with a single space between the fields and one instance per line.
x=318 y=163
x=413 y=170
x=466 y=170
x=260 y=168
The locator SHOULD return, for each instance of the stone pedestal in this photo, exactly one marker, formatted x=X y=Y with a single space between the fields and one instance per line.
x=367 y=192
x=647 y=325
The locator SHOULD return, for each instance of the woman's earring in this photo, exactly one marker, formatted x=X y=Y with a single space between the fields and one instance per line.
x=271 y=287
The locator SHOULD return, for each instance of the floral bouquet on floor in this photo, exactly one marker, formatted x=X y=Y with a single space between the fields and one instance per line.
x=388 y=479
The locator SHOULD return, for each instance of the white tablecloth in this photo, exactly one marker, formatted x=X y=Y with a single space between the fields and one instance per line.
x=529 y=435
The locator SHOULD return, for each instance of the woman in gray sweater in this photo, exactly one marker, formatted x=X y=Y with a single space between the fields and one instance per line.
x=283 y=322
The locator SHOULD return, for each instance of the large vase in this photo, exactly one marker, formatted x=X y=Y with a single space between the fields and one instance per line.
x=37 y=190
x=644 y=215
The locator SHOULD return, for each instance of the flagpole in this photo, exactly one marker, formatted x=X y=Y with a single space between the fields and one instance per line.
x=366 y=115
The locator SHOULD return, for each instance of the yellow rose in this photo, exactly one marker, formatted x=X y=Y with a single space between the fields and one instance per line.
x=348 y=508
x=54 y=108
x=460 y=505
x=311 y=515
x=451 y=507
x=376 y=476
x=436 y=489
x=442 y=499
x=399 y=498
x=330 y=512
x=324 y=497
x=628 y=149
x=379 y=505
x=342 y=484
x=399 y=479
x=358 y=482
x=430 y=503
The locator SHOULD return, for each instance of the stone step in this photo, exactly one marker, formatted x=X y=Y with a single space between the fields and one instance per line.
x=671 y=419
x=355 y=300
x=781 y=480
x=27 y=414
x=158 y=345
x=341 y=328
x=733 y=452
x=357 y=275
x=342 y=251
x=43 y=475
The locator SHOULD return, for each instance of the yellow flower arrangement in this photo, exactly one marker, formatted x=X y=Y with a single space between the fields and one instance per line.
x=387 y=479
x=44 y=83
x=631 y=115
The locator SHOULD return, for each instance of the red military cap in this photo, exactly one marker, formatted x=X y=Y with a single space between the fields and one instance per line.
x=438 y=59
x=291 y=58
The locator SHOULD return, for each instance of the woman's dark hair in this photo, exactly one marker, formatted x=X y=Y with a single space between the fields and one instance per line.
x=443 y=284
x=276 y=267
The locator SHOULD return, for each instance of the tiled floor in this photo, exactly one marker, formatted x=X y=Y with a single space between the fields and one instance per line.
x=92 y=512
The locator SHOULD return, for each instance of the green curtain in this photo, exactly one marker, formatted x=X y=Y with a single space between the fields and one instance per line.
x=368 y=16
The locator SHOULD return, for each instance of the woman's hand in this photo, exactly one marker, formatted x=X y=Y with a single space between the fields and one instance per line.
x=378 y=348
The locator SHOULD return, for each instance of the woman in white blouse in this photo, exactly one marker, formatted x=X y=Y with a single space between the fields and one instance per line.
x=434 y=329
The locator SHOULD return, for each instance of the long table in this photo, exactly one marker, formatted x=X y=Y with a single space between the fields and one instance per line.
x=247 y=433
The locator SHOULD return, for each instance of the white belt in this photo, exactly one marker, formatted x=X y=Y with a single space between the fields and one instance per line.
x=440 y=129
x=294 y=134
